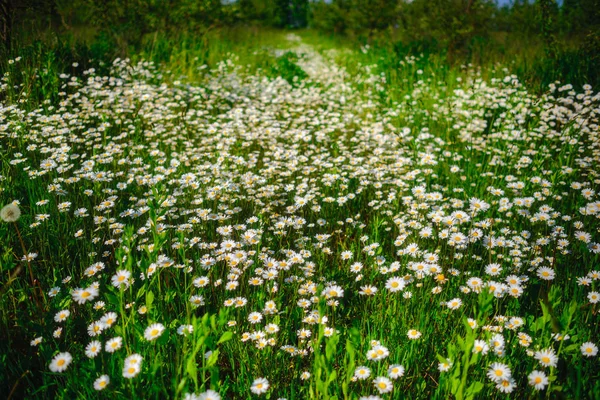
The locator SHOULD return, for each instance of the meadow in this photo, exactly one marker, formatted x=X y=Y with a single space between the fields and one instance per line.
x=278 y=215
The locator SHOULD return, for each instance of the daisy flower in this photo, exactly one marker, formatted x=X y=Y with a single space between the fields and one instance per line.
x=589 y=349
x=395 y=284
x=493 y=269
x=255 y=317
x=102 y=382
x=185 y=330
x=62 y=315
x=454 y=304
x=272 y=328
x=383 y=384
x=132 y=366
x=113 y=344
x=506 y=386
x=108 y=320
x=135 y=360
x=445 y=366
x=546 y=357
x=377 y=353
x=395 y=371
x=197 y=300
x=356 y=267
x=93 y=348
x=260 y=386
x=480 y=346
x=546 y=273
x=368 y=290
x=499 y=372
x=538 y=380
x=413 y=334
x=303 y=334
x=201 y=281
x=209 y=395
x=362 y=372
x=60 y=362
x=83 y=295
x=95 y=328
x=332 y=291
x=153 y=331
x=130 y=371
x=121 y=278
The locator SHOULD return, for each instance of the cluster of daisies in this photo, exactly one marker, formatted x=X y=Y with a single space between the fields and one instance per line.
x=292 y=207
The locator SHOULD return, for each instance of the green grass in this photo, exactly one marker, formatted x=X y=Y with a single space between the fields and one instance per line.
x=297 y=150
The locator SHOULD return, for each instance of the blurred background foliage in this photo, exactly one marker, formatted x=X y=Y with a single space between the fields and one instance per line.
x=542 y=40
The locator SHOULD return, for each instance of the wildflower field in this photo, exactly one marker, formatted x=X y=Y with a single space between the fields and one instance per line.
x=319 y=225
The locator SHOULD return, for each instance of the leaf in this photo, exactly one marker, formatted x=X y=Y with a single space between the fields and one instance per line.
x=149 y=298
x=140 y=292
x=571 y=348
x=332 y=376
x=556 y=388
x=461 y=342
x=192 y=369
x=320 y=386
x=112 y=298
x=456 y=373
x=474 y=388
x=212 y=360
x=441 y=358
x=330 y=347
x=225 y=337
x=455 y=385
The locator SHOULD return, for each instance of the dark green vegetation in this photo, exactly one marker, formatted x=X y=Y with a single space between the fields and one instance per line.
x=540 y=41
